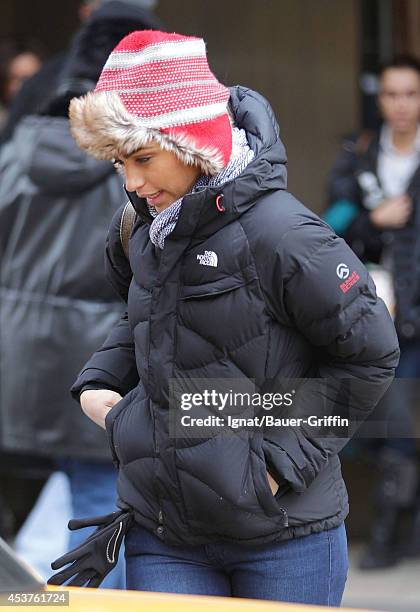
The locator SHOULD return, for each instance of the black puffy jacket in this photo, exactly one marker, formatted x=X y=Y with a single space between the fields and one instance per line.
x=272 y=307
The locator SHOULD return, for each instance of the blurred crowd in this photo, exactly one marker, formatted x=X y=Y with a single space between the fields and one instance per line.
x=56 y=306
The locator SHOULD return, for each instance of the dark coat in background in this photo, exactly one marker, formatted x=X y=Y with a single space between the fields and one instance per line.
x=55 y=303
x=56 y=204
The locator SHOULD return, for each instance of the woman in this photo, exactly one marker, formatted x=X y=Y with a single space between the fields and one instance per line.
x=222 y=262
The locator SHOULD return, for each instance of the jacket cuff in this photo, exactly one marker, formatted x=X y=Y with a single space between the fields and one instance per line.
x=96 y=379
x=96 y=387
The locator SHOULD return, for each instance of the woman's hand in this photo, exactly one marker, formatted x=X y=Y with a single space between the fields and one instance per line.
x=273 y=484
x=96 y=403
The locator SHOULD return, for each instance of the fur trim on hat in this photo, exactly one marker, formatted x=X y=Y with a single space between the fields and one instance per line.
x=102 y=126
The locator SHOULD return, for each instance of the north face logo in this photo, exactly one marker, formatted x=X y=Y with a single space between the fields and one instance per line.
x=208 y=259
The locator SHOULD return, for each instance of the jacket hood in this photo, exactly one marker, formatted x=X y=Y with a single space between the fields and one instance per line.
x=51 y=158
x=253 y=113
x=266 y=172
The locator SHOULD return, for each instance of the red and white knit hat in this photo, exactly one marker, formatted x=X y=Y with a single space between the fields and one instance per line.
x=156 y=86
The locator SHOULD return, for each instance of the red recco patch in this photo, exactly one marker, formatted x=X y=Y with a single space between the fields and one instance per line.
x=352 y=280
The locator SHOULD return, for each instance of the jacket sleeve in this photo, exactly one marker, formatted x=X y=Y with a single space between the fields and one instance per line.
x=113 y=366
x=350 y=331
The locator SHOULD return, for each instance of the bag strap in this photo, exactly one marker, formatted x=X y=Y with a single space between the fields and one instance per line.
x=128 y=219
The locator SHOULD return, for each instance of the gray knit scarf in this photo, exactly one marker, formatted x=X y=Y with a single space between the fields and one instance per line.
x=164 y=223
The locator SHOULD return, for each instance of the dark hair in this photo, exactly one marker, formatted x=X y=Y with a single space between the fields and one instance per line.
x=402 y=62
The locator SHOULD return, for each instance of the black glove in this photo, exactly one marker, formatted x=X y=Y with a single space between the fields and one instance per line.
x=98 y=554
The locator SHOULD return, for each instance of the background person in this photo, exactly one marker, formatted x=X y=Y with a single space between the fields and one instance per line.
x=32 y=97
x=374 y=198
x=18 y=62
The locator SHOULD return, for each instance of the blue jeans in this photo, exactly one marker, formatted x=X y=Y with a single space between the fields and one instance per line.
x=311 y=569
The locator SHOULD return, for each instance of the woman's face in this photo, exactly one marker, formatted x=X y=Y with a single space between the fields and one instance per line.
x=157 y=175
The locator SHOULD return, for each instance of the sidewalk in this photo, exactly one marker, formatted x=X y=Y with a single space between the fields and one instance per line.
x=392 y=590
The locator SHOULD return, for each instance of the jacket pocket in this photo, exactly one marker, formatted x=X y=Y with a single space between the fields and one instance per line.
x=230 y=502
x=215 y=313
x=213 y=288
x=270 y=503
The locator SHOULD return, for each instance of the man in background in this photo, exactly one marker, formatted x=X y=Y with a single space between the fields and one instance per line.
x=374 y=194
